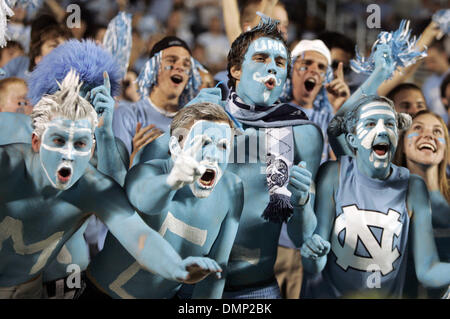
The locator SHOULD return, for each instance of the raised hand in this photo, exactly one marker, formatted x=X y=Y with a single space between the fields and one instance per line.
x=103 y=103
x=142 y=137
x=195 y=269
x=384 y=60
x=299 y=184
x=315 y=247
x=338 y=90
x=186 y=169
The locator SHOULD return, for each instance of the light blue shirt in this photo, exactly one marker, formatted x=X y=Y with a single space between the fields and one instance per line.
x=126 y=117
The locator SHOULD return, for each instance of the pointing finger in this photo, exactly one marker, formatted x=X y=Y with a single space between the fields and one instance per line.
x=106 y=82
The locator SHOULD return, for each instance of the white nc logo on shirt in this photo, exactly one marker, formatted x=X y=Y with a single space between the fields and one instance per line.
x=359 y=226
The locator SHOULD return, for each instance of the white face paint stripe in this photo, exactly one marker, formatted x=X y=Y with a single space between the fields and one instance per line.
x=377 y=104
x=368 y=140
x=377 y=112
x=69 y=151
x=362 y=134
x=65 y=151
x=65 y=129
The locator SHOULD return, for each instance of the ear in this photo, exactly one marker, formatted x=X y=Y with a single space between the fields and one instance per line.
x=37 y=59
x=236 y=72
x=351 y=140
x=174 y=146
x=35 y=143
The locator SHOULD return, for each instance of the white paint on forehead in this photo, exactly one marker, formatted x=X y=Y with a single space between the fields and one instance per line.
x=67 y=129
x=375 y=104
x=377 y=112
x=264 y=44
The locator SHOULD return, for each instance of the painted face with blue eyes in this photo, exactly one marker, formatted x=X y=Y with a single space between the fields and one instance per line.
x=263 y=72
x=213 y=154
x=65 y=151
x=375 y=139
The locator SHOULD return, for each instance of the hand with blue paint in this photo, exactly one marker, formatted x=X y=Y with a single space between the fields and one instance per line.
x=103 y=103
x=299 y=184
x=195 y=269
x=211 y=95
x=384 y=61
x=315 y=247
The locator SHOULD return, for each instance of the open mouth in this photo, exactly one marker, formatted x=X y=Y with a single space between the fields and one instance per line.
x=177 y=79
x=310 y=83
x=381 y=149
x=64 y=174
x=208 y=178
x=270 y=84
x=428 y=147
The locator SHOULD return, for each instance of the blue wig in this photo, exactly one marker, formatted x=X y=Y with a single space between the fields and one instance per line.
x=87 y=58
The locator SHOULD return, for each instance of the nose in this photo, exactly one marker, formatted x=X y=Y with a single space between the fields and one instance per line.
x=212 y=154
x=272 y=71
x=68 y=153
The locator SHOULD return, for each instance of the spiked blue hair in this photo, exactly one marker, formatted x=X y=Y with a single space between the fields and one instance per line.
x=88 y=59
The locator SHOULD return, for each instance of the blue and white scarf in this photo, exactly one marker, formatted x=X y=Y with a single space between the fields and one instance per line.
x=277 y=120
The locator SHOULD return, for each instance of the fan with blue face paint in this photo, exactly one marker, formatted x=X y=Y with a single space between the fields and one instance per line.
x=365 y=228
x=263 y=72
x=53 y=192
x=207 y=147
x=375 y=138
x=257 y=75
x=190 y=198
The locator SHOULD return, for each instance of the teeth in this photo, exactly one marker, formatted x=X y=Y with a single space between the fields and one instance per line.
x=312 y=80
x=427 y=146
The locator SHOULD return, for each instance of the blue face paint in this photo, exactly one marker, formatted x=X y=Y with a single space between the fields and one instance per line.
x=412 y=135
x=376 y=137
x=65 y=151
x=442 y=140
x=262 y=79
x=213 y=154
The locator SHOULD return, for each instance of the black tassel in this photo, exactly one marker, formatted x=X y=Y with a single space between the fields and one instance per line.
x=279 y=209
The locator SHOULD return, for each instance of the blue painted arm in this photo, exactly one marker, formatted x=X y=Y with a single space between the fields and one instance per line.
x=109 y=160
x=158 y=149
x=315 y=249
x=430 y=271
x=384 y=67
x=212 y=287
x=440 y=210
x=303 y=222
x=301 y=184
x=147 y=188
x=149 y=249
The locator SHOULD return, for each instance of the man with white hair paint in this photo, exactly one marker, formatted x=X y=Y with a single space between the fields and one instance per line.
x=54 y=189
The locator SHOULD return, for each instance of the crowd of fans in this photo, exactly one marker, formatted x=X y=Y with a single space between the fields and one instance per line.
x=319 y=33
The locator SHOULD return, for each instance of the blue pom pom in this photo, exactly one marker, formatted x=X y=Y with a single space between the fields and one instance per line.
x=87 y=58
x=118 y=40
x=401 y=46
x=442 y=18
x=148 y=77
